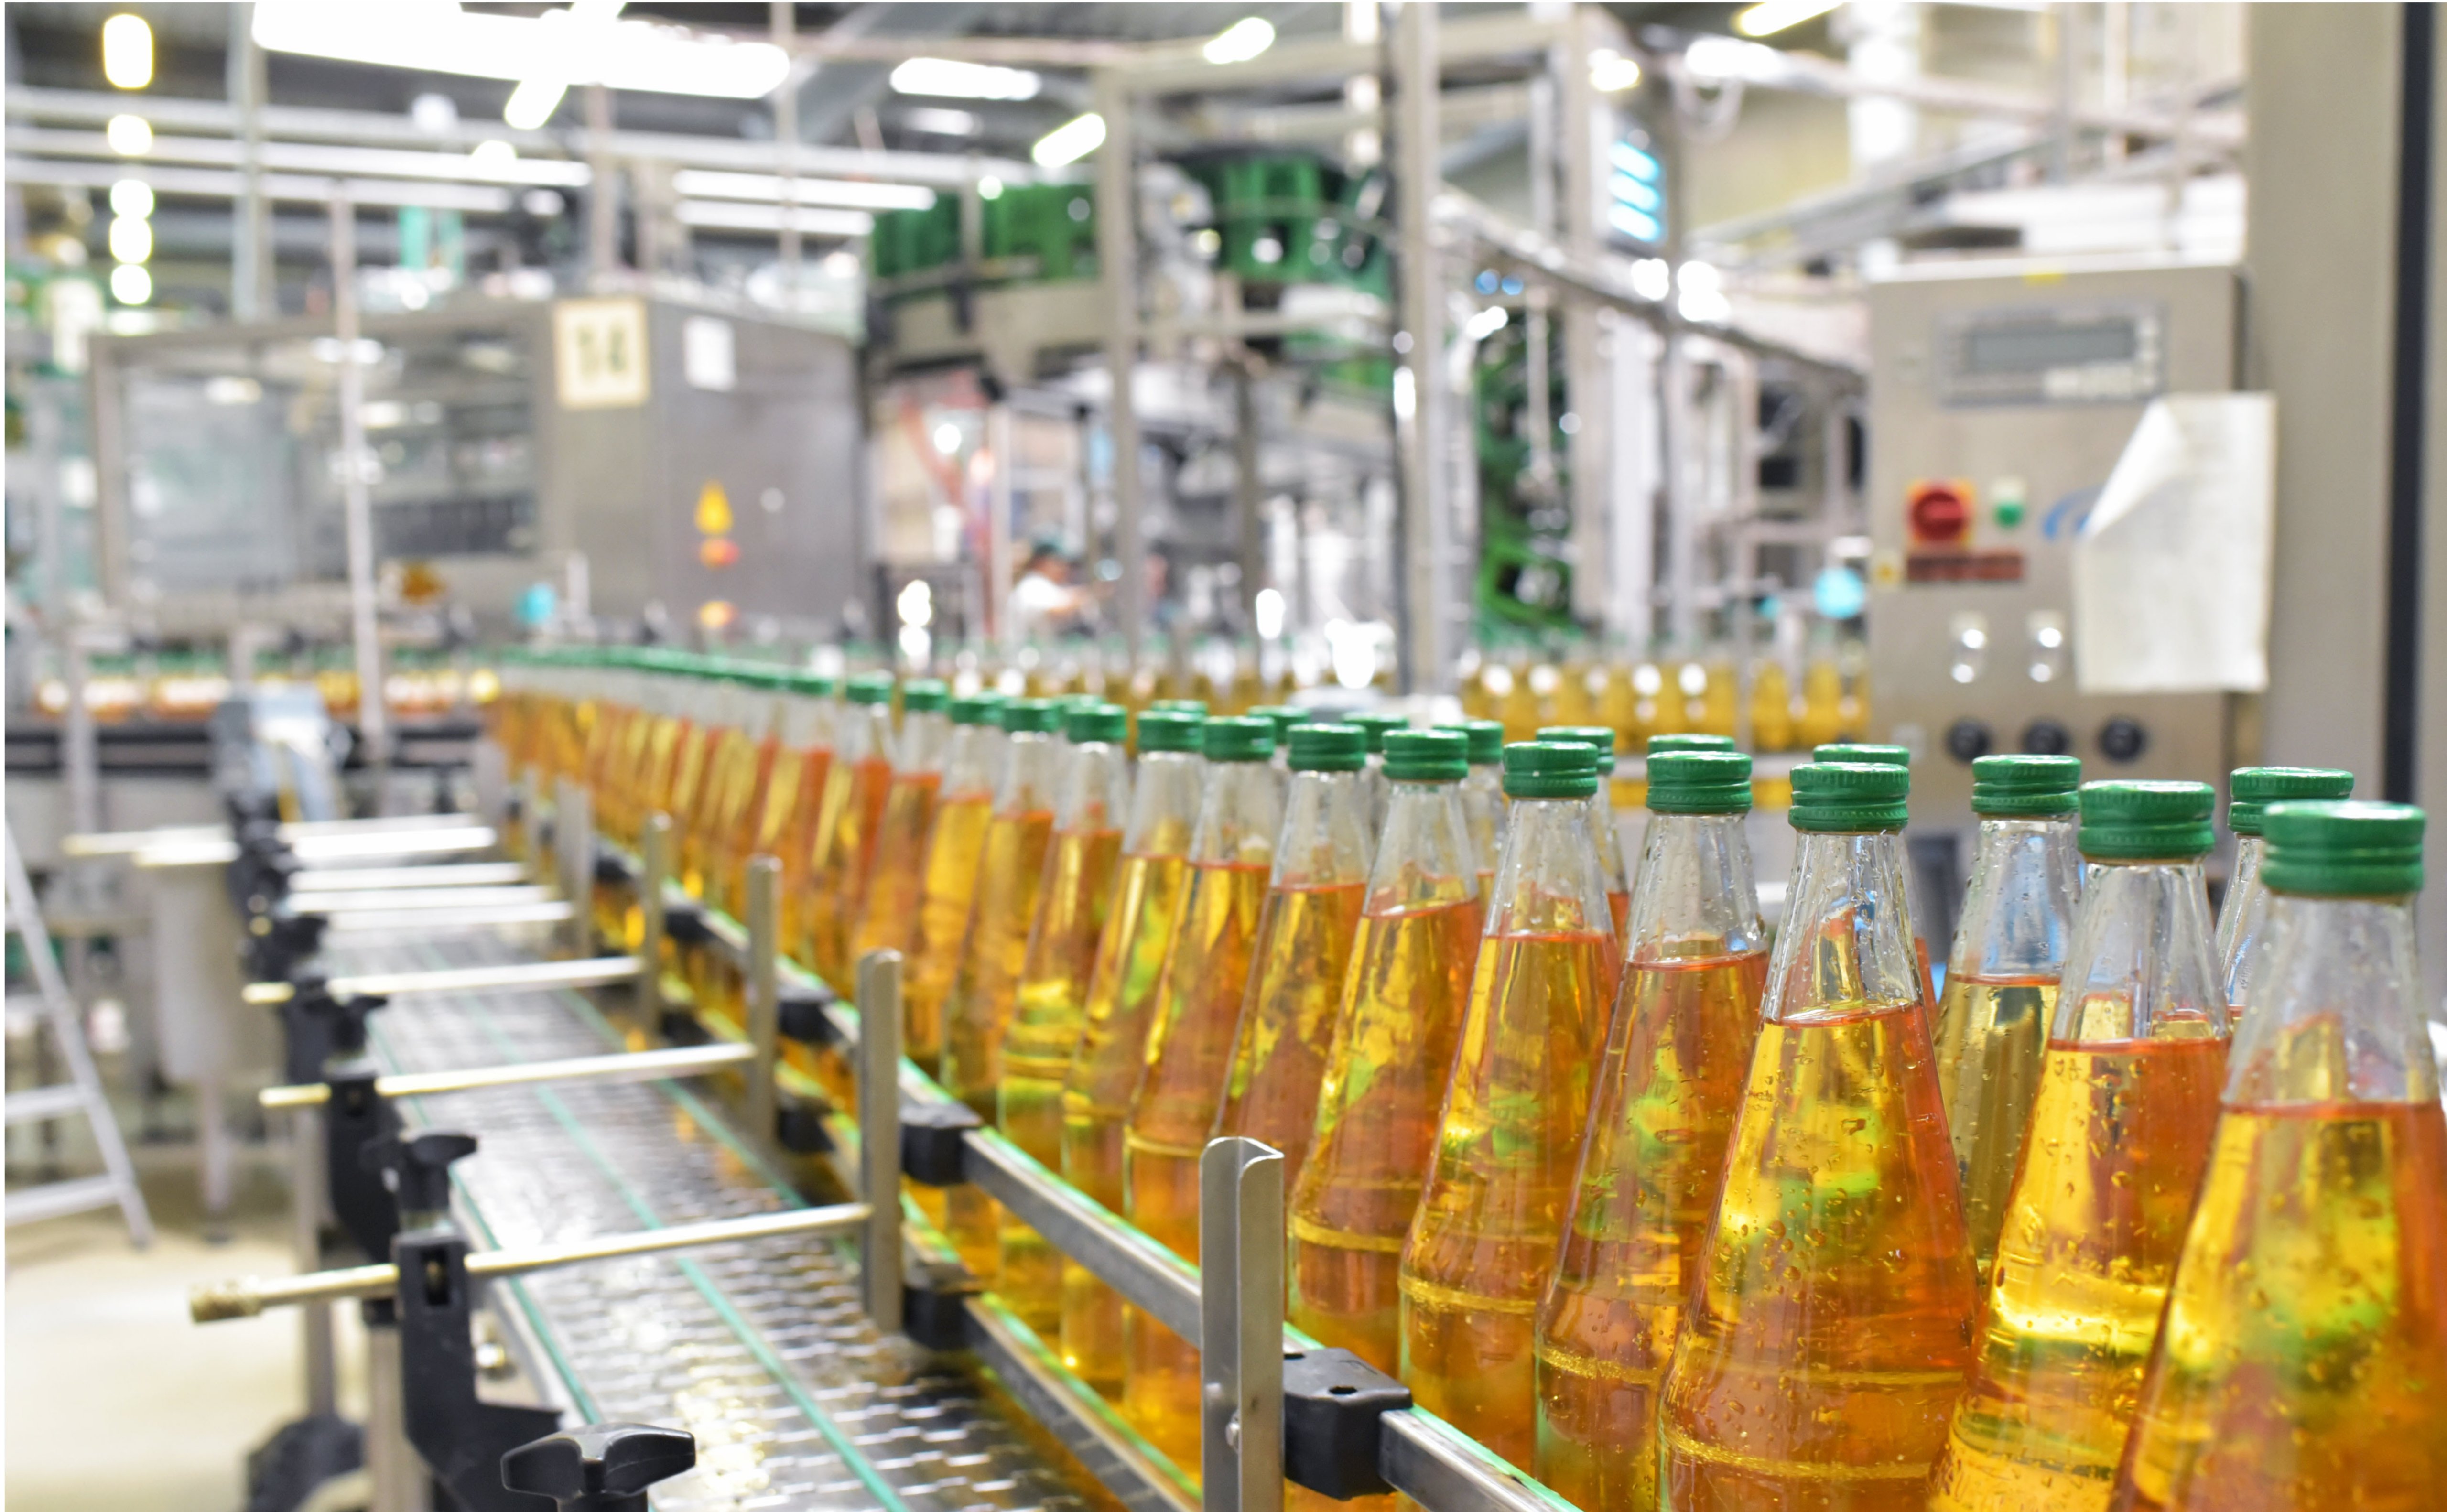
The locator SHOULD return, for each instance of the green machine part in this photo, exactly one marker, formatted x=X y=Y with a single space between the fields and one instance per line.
x=1525 y=576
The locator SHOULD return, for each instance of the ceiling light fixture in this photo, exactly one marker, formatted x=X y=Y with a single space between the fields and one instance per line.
x=936 y=121
x=1240 y=41
x=128 y=52
x=1768 y=17
x=1610 y=72
x=849 y=193
x=964 y=81
x=129 y=136
x=1070 y=142
x=578 y=45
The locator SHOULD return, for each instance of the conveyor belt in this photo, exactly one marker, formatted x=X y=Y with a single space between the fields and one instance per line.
x=761 y=1349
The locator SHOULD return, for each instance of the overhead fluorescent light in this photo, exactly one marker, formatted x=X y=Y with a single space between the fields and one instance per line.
x=1731 y=58
x=964 y=81
x=852 y=194
x=1771 y=16
x=1070 y=142
x=1610 y=72
x=129 y=136
x=717 y=216
x=937 y=120
x=532 y=104
x=1240 y=41
x=128 y=52
x=436 y=36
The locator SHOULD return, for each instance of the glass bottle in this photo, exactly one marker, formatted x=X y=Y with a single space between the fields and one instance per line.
x=846 y=827
x=1376 y=723
x=1283 y=716
x=889 y=917
x=1304 y=948
x=1603 y=827
x=1188 y=1045
x=747 y=772
x=1876 y=755
x=1828 y=1328
x=972 y=763
x=727 y=742
x=1482 y=1241
x=1050 y=1004
x=2000 y=982
x=1011 y=877
x=1668 y=1087
x=1385 y=1066
x=1482 y=794
x=701 y=712
x=2120 y=1133
x=793 y=794
x=2242 y=921
x=1122 y=986
x=2303 y=1358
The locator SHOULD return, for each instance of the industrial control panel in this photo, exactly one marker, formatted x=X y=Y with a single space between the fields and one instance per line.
x=2000 y=402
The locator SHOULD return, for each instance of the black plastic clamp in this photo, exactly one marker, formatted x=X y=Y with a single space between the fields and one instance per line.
x=932 y=1136
x=799 y=1125
x=805 y=1014
x=356 y=1118
x=601 y=1467
x=462 y=1439
x=611 y=869
x=1334 y=1407
x=684 y=922
x=276 y=944
x=935 y=1304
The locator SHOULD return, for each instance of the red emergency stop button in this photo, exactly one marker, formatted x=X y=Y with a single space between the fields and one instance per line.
x=1940 y=513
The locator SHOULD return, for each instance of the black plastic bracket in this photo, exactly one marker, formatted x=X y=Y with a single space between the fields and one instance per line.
x=1334 y=1403
x=799 y=1126
x=806 y=1015
x=684 y=922
x=679 y=1026
x=276 y=944
x=611 y=869
x=355 y=1120
x=934 y=1304
x=931 y=1140
x=461 y=1439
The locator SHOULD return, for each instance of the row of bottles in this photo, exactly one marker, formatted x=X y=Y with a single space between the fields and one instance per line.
x=1663 y=1214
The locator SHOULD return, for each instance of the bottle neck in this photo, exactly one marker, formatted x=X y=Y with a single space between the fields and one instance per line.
x=1031 y=766
x=1324 y=840
x=2337 y=1017
x=1095 y=787
x=1426 y=856
x=969 y=763
x=1697 y=895
x=1240 y=815
x=1164 y=803
x=2018 y=913
x=1549 y=880
x=2242 y=917
x=2138 y=965
x=924 y=740
x=1846 y=939
x=867 y=734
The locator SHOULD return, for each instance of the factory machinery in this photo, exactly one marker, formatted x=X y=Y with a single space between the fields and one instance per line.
x=643 y=1188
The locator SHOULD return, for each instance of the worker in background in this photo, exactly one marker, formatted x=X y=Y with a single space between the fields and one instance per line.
x=1044 y=603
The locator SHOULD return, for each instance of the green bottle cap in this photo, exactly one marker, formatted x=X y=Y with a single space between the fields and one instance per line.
x=1538 y=769
x=924 y=696
x=814 y=684
x=1327 y=747
x=978 y=709
x=1485 y=737
x=1597 y=737
x=1850 y=797
x=871 y=687
x=1429 y=755
x=2253 y=789
x=1283 y=717
x=1171 y=729
x=2025 y=787
x=1033 y=716
x=1179 y=706
x=1660 y=744
x=1859 y=755
x=2146 y=822
x=2343 y=849
x=1096 y=722
x=1376 y=723
x=1698 y=782
x=1239 y=738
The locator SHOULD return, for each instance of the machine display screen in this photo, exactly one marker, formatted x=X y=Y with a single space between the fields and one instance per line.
x=2029 y=348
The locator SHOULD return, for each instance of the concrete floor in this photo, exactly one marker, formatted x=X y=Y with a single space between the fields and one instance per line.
x=115 y=1401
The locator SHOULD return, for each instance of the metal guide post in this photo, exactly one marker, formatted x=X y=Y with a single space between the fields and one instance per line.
x=1241 y=1321
x=573 y=838
x=653 y=870
x=544 y=976
x=764 y=995
x=879 y=1127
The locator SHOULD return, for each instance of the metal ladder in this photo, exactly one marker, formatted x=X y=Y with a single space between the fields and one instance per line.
x=81 y=1094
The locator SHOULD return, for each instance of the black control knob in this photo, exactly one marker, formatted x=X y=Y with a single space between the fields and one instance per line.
x=601 y=1467
x=1968 y=740
x=2046 y=737
x=418 y=1171
x=2122 y=740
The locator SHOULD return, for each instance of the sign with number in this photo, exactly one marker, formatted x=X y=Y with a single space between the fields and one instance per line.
x=600 y=353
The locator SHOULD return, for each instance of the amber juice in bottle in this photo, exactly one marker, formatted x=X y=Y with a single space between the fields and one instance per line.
x=1482 y=1241
x=728 y=742
x=1304 y=948
x=1386 y=1063
x=955 y=845
x=1152 y=883
x=843 y=848
x=1827 y=1329
x=1011 y=879
x=2243 y=917
x=747 y=774
x=2302 y=1360
x=787 y=809
x=888 y=915
x=1189 y=1048
x=2120 y=1133
x=1603 y=827
x=2001 y=981
x=1050 y=1004
x=1668 y=1087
